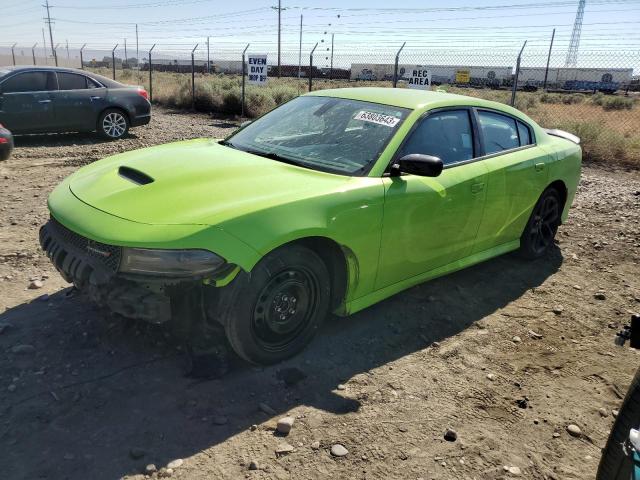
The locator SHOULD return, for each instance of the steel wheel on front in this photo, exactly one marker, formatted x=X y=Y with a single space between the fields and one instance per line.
x=274 y=311
x=542 y=226
x=284 y=308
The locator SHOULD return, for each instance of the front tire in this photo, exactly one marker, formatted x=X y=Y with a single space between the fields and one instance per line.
x=539 y=234
x=113 y=124
x=277 y=309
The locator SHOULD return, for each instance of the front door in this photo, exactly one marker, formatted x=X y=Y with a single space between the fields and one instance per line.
x=430 y=222
x=25 y=102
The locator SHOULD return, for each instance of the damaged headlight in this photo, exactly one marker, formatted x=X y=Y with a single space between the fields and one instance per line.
x=172 y=263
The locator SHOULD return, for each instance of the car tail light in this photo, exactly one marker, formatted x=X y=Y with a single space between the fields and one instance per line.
x=4 y=140
x=143 y=93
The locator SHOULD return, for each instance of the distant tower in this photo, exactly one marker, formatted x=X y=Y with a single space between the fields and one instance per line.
x=572 y=54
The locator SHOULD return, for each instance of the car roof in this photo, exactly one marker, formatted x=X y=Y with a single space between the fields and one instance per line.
x=18 y=68
x=409 y=98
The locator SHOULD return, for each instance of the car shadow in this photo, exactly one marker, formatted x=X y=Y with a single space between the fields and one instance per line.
x=63 y=139
x=96 y=390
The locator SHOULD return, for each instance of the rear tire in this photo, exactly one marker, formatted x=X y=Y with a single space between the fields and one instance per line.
x=113 y=124
x=540 y=231
x=279 y=307
x=614 y=464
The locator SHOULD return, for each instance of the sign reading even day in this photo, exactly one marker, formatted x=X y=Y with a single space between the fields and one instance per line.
x=257 y=69
x=419 y=77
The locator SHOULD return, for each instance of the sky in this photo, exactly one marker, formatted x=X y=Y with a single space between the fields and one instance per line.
x=453 y=30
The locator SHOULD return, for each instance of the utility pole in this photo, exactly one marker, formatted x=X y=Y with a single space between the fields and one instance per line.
x=67 y=49
x=53 y=52
x=125 y=52
x=208 y=61
x=279 y=36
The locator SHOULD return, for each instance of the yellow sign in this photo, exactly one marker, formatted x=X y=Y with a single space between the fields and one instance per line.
x=462 y=76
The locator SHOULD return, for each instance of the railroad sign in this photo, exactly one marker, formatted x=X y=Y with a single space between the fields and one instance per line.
x=419 y=77
x=257 y=69
x=462 y=76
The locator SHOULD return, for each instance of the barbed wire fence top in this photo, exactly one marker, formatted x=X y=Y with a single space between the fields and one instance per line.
x=596 y=98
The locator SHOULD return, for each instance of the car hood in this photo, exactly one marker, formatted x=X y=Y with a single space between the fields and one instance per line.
x=195 y=182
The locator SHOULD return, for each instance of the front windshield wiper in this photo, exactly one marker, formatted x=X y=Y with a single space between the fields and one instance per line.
x=226 y=143
x=274 y=156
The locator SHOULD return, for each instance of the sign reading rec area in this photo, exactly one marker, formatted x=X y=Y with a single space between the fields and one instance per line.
x=257 y=70
x=420 y=78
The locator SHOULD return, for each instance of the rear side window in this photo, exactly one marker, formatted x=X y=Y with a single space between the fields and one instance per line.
x=446 y=135
x=524 y=133
x=29 y=82
x=499 y=132
x=71 y=81
x=91 y=83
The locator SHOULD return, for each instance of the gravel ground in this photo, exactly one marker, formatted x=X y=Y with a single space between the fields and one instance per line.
x=503 y=357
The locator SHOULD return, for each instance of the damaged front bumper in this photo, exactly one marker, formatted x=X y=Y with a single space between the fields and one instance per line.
x=93 y=267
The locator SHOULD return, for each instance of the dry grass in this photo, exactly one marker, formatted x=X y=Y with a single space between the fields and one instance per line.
x=609 y=125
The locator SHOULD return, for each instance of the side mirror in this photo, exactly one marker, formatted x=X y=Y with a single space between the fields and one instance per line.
x=418 y=164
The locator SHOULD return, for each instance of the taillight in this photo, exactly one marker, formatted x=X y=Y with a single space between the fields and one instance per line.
x=3 y=140
x=143 y=93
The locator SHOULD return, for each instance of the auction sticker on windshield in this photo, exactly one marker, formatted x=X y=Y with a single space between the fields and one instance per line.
x=379 y=118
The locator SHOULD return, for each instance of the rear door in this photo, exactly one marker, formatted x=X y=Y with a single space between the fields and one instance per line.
x=517 y=176
x=25 y=101
x=78 y=101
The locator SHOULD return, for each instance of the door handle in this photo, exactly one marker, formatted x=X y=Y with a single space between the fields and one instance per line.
x=539 y=166
x=477 y=187
x=44 y=101
x=95 y=98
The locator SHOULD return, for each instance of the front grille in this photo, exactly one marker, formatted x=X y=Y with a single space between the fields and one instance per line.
x=108 y=255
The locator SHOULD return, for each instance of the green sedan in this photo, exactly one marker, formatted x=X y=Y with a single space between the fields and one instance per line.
x=331 y=202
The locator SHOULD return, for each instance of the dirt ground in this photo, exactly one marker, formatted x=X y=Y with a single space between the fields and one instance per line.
x=84 y=395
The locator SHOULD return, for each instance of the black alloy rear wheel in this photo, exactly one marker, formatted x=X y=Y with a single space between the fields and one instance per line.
x=539 y=234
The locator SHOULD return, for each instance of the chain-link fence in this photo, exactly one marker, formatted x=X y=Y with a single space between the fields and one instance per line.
x=598 y=99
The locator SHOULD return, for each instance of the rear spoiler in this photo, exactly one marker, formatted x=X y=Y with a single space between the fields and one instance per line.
x=562 y=134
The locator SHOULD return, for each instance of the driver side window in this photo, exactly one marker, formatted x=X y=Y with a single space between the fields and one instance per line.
x=447 y=135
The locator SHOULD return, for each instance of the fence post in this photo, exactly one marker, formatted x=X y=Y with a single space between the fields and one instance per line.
x=243 y=79
x=13 y=55
x=515 y=79
x=33 y=52
x=81 y=58
x=311 y=67
x=113 y=61
x=331 y=69
x=395 y=68
x=546 y=71
x=150 y=75
x=193 y=79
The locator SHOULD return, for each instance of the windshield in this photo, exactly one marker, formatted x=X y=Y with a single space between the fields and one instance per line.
x=324 y=133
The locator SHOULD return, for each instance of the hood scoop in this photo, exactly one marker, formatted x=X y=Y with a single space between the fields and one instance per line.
x=135 y=176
